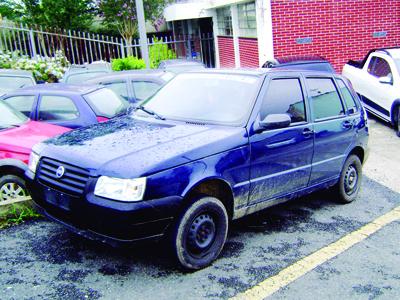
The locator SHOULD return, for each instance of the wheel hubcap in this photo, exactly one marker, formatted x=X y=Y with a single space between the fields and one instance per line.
x=201 y=233
x=350 y=180
x=11 y=191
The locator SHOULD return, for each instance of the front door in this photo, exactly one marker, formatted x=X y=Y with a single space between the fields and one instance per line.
x=281 y=158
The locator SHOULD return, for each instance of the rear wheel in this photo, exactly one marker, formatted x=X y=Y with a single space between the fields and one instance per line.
x=200 y=233
x=12 y=187
x=350 y=180
x=397 y=125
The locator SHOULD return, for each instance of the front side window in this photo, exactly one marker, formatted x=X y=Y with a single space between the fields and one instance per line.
x=224 y=21
x=57 y=108
x=21 y=103
x=284 y=96
x=379 y=67
x=325 y=100
x=144 y=89
x=347 y=96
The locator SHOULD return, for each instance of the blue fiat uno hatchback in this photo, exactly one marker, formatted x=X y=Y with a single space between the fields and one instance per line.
x=210 y=147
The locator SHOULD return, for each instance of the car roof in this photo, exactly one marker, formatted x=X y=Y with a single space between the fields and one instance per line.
x=260 y=72
x=13 y=72
x=93 y=67
x=131 y=73
x=181 y=61
x=393 y=52
x=61 y=87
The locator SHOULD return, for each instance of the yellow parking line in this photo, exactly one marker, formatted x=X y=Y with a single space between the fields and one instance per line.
x=286 y=276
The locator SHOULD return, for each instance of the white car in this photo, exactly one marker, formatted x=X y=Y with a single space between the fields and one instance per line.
x=376 y=79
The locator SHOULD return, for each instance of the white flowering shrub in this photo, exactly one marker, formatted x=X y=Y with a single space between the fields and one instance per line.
x=49 y=69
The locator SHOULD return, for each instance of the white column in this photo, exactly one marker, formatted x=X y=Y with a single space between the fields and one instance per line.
x=142 y=32
x=215 y=33
x=264 y=31
x=235 y=33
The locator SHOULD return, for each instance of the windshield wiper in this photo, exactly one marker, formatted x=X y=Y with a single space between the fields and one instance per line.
x=5 y=126
x=150 y=112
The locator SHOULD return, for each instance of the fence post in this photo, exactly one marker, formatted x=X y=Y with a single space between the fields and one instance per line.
x=32 y=42
x=122 y=48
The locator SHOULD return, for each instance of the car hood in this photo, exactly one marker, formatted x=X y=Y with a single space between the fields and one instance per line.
x=130 y=147
x=21 y=139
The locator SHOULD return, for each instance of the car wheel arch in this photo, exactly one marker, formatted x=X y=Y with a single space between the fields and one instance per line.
x=12 y=166
x=213 y=187
x=359 y=152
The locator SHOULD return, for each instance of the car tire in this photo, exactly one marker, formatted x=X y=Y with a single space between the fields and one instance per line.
x=12 y=187
x=397 y=123
x=200 y=233
x=350 y=180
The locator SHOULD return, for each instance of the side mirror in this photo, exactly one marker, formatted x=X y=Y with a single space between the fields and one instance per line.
x=275 y=121
x=386 y=80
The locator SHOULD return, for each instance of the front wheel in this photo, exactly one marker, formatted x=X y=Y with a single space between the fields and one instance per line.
x=200 y=233
x=12 y=188
x=350 y=180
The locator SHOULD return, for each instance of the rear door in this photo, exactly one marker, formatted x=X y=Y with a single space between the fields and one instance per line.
x=334 y=129
x=281 y=158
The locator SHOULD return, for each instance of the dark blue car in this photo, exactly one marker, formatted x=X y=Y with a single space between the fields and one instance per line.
x=208 y=148
x=65 y=105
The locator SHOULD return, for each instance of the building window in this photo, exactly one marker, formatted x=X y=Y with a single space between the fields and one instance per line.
x=247 y=19
x=224 y=21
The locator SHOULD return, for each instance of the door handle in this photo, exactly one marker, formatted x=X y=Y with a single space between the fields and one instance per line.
x=347 y=124
x=308 y=132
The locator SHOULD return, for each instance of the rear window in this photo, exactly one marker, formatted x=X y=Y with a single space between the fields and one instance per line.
x=105 y=103
x=10 y=83
x=82 y=77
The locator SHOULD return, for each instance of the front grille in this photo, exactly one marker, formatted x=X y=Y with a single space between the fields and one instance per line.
x=72 y=182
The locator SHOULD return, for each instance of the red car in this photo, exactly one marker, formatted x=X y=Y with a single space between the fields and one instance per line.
x=17 y=136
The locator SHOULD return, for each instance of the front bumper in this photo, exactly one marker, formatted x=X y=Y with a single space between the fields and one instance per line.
x=109 y=221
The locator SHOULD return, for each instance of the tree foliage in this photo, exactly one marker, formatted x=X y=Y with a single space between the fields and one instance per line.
x=65 y=14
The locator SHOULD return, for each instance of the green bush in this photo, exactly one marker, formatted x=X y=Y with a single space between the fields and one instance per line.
x=128 y=63
x=158 y=52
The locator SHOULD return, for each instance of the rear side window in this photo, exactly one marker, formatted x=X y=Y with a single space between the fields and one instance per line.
x=325 y=100
x=21 y=103
x=144 y=89
x=379 y=67
x=105 y=103
x=118 y=88
x=57 y=108
x=284 y=96
x=351 y=104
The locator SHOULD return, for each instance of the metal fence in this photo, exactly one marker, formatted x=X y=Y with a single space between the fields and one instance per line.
x=84 y=47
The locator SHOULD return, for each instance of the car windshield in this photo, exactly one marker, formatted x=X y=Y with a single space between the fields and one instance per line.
x=10 y=83
x=10 y=117
x=209 y=98
x=82 y=77
x=105 y=103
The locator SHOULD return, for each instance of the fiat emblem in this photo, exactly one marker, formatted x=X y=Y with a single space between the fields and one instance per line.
x=60 y=172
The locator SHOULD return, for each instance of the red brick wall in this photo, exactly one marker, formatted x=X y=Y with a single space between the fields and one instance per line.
x=248 y=52
x=340 y=29
x=226 y=52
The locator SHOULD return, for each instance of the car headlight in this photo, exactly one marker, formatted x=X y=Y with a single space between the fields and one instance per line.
x=120 y=189
x=33 y=161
